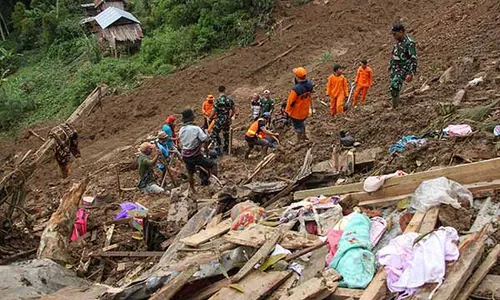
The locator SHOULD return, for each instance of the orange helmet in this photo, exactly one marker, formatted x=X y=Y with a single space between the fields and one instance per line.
x=300 y=72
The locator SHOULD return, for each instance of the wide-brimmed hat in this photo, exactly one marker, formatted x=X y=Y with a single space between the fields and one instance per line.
x=187 y=116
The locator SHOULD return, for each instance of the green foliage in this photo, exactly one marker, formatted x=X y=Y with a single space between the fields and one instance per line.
x=326 y=57
x=62 y=63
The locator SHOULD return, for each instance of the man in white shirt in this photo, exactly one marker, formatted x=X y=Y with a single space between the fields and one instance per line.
x=192 y=138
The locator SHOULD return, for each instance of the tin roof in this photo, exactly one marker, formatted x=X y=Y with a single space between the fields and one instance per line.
x=112 y=14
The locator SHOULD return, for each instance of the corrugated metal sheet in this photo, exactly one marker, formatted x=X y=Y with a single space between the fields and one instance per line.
x=113 y=14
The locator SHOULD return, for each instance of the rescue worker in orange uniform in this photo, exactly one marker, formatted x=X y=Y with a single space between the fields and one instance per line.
x=299 y=103
x=256 y=134
x=206 y=108
x=364 y=81
x=337 y=89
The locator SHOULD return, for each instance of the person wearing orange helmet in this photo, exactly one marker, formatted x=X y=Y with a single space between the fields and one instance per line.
x=207 y=108
x=299 y=103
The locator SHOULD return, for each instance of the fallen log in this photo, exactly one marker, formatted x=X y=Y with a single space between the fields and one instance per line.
x=12 y=184
x=56 y=236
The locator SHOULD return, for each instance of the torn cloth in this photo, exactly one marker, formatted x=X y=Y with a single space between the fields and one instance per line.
x=66 y=138
x=410 y=266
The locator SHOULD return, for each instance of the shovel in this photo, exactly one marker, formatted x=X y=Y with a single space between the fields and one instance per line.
x=353 y=85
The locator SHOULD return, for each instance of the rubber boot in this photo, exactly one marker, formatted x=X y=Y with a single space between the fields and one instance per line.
x=247 y=153
x=395 y=101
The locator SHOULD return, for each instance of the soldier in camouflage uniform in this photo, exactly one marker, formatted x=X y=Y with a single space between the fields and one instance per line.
x=222 y=112
x=403 y=64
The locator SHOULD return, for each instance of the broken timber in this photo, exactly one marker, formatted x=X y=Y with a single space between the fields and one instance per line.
x=483 y=171
x=274 y=59
x=257 y=285
x=173 y=286
x=259 y=256
x=207 y=234
x=265 y=161
x=56 y=236
x=12 y=184
x=480 y=273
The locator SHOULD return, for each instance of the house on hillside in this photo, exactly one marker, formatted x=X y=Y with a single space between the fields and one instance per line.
x=102 y=5
x=118 y=30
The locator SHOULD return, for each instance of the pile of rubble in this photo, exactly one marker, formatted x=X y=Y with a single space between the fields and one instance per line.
x=326 y=243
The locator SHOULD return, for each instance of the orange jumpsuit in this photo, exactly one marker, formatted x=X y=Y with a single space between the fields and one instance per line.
x=364 y=81
x=337 y=89
x=207 y=108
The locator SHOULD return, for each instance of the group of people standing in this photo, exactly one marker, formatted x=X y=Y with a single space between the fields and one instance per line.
x=219 y=112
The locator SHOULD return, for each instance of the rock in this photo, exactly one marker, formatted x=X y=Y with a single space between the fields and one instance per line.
x=481 y=74
x=460 y=219
x=459 y=96
x=446 y=76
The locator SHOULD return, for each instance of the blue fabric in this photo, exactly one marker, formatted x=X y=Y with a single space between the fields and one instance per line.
x=354 y=259
x=400 y=146
x=166 y=128
x=164 y=151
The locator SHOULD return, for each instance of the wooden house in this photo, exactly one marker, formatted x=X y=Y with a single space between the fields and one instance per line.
x=118 y=29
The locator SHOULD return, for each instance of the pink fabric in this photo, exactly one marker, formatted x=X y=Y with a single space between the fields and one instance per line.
x=80 y=226
x=333 y=237
x=410 y=266
x=377 y=229
x=458 y=130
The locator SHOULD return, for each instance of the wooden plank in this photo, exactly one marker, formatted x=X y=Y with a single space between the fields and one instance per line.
x=299 y=253
x=128 y=254
x=478 y=190
x=483 y=171
x=207 y=234
x=257 y=285
x=265 y=161
x=430 y=220
x=208 y=291
x=480 y=273
x=456 y=275
x=110 y=247
x=259 y=256
x=344 y=293
x=282 y=290
x=488 y=288
x=214 y=221
x=377 y=289
x=314 y=288
x=173 y=286
x=257 y=235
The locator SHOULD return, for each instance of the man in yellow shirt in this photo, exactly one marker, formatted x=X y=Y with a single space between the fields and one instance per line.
x=299 y=103
x=364 y=81
x=337 y=89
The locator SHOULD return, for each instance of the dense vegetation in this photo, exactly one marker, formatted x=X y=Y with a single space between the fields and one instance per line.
x=49 y=62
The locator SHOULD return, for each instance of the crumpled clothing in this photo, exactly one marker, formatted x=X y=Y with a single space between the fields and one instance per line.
x=458 y=130
x=400 y=146
x=80 y=225
x=126 y=207
x=248 y=217
x=354 y=259
x=66 y=138
x=377 y=229
x=316 y=209
x=410 y=266
x=333 y=239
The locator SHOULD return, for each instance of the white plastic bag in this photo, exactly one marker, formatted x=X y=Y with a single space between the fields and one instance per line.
x=373 y=183
x=433 y=192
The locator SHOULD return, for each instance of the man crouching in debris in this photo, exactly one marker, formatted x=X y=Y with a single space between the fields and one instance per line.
x=257 y=133
x=192 y=138
x=147 y=181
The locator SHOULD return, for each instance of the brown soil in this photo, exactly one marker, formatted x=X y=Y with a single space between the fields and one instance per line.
x=462 y=34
